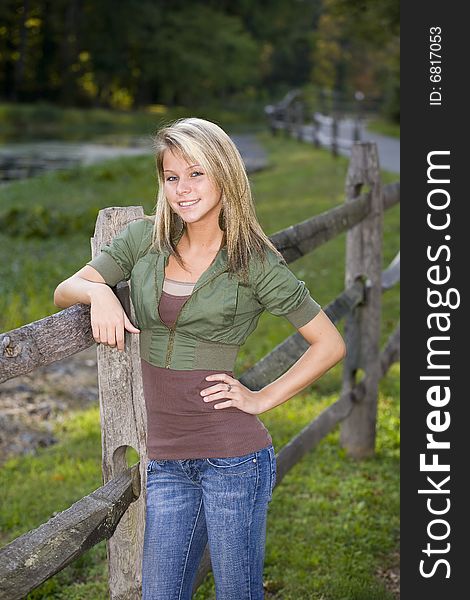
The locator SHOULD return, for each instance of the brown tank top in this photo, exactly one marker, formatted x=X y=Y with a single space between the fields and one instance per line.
x=180 y=425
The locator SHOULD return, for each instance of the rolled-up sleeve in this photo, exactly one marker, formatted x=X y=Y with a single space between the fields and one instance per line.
x=280 y=292
x=117 y=259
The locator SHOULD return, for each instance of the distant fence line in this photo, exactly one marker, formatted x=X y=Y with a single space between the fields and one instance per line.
x=336 y=125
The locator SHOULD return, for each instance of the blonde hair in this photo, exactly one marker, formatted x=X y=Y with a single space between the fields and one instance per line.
x=205 y=143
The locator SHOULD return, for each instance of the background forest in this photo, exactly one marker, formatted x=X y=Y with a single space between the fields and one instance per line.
x=135 y=53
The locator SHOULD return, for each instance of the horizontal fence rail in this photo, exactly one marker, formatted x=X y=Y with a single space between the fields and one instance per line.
x=37 y=555
x=285 y=354
x=326 y=421
x=300 y=239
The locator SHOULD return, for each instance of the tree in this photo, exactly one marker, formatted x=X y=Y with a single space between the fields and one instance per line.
x=357 y=48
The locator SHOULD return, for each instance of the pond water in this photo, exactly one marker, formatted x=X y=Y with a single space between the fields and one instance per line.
x=27 y=159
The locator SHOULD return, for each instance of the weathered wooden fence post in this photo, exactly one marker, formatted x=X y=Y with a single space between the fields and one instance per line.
x=362 y=326
x=123 y=424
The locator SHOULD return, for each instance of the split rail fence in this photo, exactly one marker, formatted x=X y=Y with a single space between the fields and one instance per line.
x=337 y=128
x=116 y=511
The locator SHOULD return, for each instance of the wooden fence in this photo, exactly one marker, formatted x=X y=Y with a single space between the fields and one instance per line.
x=116 y=511
x=335 y=126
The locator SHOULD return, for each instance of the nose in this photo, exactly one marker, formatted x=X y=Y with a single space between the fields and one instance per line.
x=183 y=186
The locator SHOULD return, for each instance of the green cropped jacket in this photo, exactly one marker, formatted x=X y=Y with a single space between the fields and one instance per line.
x=220 y=313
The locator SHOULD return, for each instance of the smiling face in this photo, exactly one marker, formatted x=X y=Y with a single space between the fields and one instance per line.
x=189 y=190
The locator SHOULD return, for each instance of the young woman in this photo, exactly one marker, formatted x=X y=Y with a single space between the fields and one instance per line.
x=202 y=271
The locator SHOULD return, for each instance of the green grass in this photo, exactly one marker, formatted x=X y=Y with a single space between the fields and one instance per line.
x=43 y=120
x=333 y=521
x=379 y=125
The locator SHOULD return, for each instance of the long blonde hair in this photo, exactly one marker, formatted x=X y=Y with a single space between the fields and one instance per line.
x=205 y=143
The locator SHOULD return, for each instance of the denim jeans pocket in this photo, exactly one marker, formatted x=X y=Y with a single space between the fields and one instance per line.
x=152 y=463
x=235 y=465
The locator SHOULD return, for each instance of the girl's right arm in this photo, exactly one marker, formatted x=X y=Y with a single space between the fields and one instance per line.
x=108 y=319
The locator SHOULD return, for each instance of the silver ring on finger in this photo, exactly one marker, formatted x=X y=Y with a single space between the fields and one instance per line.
x=229 y=387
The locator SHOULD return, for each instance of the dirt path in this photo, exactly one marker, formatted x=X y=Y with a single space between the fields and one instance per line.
x=31 y=404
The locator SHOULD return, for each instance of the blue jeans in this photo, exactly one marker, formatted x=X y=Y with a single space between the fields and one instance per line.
x=222 y=501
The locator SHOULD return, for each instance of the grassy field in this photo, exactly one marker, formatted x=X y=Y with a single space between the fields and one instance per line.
x=333 y=522
x=43 y=120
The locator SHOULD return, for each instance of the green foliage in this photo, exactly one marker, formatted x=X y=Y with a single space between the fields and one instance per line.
x=192 y=52
x=356 y=47
x=136 y=52
x=42 y=222
x=27 y=121
x=384 y=127
x=220 y=62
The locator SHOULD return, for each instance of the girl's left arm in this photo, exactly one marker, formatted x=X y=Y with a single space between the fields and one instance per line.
x=326 y=349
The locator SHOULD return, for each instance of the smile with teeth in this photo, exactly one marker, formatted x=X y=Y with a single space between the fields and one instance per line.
x=187 y=202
